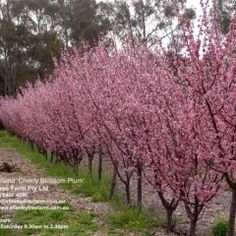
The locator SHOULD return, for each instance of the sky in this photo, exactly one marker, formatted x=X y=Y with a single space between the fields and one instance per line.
x=192 y=3
x=195 y=4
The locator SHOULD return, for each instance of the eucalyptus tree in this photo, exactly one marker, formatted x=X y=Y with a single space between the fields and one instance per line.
x=143 y=22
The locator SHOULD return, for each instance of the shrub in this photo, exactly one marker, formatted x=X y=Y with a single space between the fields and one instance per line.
x=220 y=226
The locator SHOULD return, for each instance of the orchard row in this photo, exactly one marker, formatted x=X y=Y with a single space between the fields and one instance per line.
x=165 y=115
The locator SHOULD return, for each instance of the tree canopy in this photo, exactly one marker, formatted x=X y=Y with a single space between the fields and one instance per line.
x=34 y=32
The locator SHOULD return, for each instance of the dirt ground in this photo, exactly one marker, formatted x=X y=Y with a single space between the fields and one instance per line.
x=218 y=206
x=24 y=168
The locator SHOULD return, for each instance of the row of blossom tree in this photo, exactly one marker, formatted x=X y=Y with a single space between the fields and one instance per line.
x=166 y=116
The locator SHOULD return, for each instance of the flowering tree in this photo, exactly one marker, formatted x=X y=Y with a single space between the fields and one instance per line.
x=209 y=76
x=166 y=114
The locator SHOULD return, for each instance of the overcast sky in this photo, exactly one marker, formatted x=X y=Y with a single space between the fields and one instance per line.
x=190 y=3
x=193 y=3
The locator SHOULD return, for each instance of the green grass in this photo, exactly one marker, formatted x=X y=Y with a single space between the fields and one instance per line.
x=78 y=224
x=91 y=186
x=124 y=219
x=132 y=219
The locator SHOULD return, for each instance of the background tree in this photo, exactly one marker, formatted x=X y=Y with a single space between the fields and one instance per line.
x=226 y=9
x=143 y=21
x=32 y=32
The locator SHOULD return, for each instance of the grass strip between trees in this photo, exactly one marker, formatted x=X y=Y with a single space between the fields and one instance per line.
x=123 y=219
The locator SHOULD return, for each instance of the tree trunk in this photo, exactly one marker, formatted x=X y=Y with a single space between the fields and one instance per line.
x=127 y=191
x=45 y=154
x=139 y=186
x=113 y=183
x=76 y=171
x=232 y=214
x=193 y=227
x=100 y=166
x=170 y=222
x=52 y=157
x=32 y=145
x=90 y=165
x=40 y=150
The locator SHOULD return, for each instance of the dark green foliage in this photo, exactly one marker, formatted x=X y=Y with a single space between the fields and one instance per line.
x=33 y=32
x=226 y=11
x=220 y=227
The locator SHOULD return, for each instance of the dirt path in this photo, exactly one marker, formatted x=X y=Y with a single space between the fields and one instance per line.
x=218 y=206
x=26 y=170
x=151 y=202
